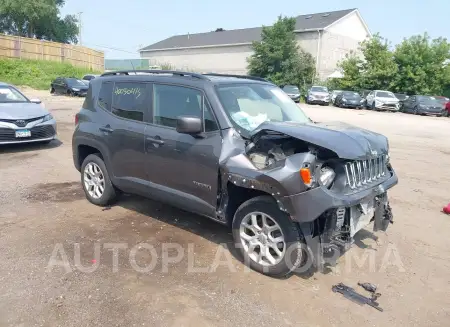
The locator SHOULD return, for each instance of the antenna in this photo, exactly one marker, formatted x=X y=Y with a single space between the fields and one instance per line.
x=134 y=69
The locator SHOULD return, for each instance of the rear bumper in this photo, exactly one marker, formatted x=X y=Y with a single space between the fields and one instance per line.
x=431 y=113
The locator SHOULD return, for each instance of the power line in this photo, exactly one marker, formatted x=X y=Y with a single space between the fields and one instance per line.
x=111 y=48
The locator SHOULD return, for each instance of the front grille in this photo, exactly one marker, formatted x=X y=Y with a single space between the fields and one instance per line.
x=20 y=122
x=38 y=132
x=363 y=172
x=390 y=105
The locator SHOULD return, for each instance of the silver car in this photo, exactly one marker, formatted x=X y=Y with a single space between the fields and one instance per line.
x=23 y=120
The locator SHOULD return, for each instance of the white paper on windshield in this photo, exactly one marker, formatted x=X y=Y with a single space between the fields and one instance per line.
x=248 y=122
x=281 y=95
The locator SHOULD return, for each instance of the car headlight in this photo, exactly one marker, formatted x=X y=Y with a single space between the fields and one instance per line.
x=362 y=100
x=378 y=103
x=75 y=89
x=47 y=118
x=344 y=100
x=327 y=176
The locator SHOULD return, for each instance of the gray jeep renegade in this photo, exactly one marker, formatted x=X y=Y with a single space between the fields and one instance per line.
x=238 y=150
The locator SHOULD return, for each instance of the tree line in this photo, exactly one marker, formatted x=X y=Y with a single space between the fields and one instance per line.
x=418 y=65
x=38 y=19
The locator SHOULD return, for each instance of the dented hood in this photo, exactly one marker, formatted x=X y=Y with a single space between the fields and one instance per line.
x=347 y=141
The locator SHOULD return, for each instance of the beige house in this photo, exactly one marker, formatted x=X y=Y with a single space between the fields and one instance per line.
x=327 y=36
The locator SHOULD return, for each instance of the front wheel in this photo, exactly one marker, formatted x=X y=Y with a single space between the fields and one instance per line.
x=97 y=185
x=416 y=111
x=267 y=239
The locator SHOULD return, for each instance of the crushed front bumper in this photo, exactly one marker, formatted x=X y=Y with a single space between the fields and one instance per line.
x=317 y=212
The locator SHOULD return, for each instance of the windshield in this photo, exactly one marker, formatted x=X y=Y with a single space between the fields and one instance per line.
x=291 y=89
x=75 y=82
x=249 y=105
x=9 y=94
x=400 y=96
x=350 y=95
x=319 y=89
x=428 y=100
x=443 y=100
x=384 y=94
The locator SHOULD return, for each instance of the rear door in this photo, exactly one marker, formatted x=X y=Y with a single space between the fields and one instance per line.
x=182 y=166
x=124 y=129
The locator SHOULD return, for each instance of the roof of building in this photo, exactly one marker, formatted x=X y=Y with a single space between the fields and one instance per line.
x=246 y=35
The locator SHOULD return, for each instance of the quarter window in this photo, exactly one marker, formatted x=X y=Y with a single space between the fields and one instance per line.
x=105 y=96
x=130 y=100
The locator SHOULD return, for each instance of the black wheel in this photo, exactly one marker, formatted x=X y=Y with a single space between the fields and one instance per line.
x=373 y=106
x=52 y=91
x=266 y=237
x=69 y=93
x=415 y=111
x=96 y=183
x=445 y=114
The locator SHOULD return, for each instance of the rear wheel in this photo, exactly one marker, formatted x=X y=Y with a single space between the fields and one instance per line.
x=267 y=239
x=97 y=185
x=69 y=93
x=416 y=111
x=52 y=91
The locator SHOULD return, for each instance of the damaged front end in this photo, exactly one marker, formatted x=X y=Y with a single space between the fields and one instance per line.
x=331 y=180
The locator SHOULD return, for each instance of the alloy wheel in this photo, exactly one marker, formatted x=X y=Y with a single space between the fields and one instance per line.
x=94 y=180
x=262 y=239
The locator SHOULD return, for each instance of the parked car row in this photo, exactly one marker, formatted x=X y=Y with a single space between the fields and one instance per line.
x=381 y=100
x=71 y=86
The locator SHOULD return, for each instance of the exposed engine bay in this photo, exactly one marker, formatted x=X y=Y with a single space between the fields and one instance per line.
x=270 y=149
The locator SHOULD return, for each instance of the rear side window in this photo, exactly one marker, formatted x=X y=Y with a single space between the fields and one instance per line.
x=105 y=96
x=130 y=100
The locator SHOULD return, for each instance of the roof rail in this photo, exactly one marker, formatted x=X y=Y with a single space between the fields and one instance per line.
x=154 y=71
x=255 y=78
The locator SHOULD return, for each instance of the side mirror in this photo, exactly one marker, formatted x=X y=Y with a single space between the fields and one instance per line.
x=35 y=101
x=189 y=125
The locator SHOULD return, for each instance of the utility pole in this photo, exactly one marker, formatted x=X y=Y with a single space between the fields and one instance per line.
x=79 y=27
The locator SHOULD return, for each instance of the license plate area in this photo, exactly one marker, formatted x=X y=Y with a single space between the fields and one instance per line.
x=361 y=215
x=20 y=133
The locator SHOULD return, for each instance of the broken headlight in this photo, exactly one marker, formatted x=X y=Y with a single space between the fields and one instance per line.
x=327 y=176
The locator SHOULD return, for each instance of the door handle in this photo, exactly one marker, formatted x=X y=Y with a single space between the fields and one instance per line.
x=106 y=129
x=155 y=140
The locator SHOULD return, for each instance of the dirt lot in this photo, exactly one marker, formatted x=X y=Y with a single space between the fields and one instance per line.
x=42 y=210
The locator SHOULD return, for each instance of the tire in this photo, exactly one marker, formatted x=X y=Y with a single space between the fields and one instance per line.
x=292 y=253
x=372 y=106
x=415 y=111
x=70 y=93
x=109 y=194
x=445 y=114
x=52 y=91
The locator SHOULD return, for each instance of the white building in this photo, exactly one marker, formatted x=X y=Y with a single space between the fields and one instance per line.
x=327 y=36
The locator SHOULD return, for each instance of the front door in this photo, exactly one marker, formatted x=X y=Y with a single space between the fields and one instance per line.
x=181 y=166
x=124 y=130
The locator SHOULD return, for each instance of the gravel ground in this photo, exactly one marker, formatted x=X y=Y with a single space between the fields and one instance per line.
x=44 y=215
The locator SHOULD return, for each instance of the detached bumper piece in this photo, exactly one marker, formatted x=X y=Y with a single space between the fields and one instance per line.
x=331 y=235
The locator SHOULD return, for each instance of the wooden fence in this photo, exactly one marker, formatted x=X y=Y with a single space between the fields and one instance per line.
x=26 y=48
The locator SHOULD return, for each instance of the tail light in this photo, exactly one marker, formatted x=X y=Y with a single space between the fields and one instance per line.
x=76 y=119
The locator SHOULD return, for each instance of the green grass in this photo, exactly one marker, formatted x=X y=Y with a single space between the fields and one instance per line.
x=37 y=74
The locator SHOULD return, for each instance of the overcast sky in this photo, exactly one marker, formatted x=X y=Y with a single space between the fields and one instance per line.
x=120 y=27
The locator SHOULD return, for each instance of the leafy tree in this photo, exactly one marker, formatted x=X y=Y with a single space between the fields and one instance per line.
x=378 y=67
x=39 y=19
x=422 y=65
x=351 y=68
x=278 y=57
